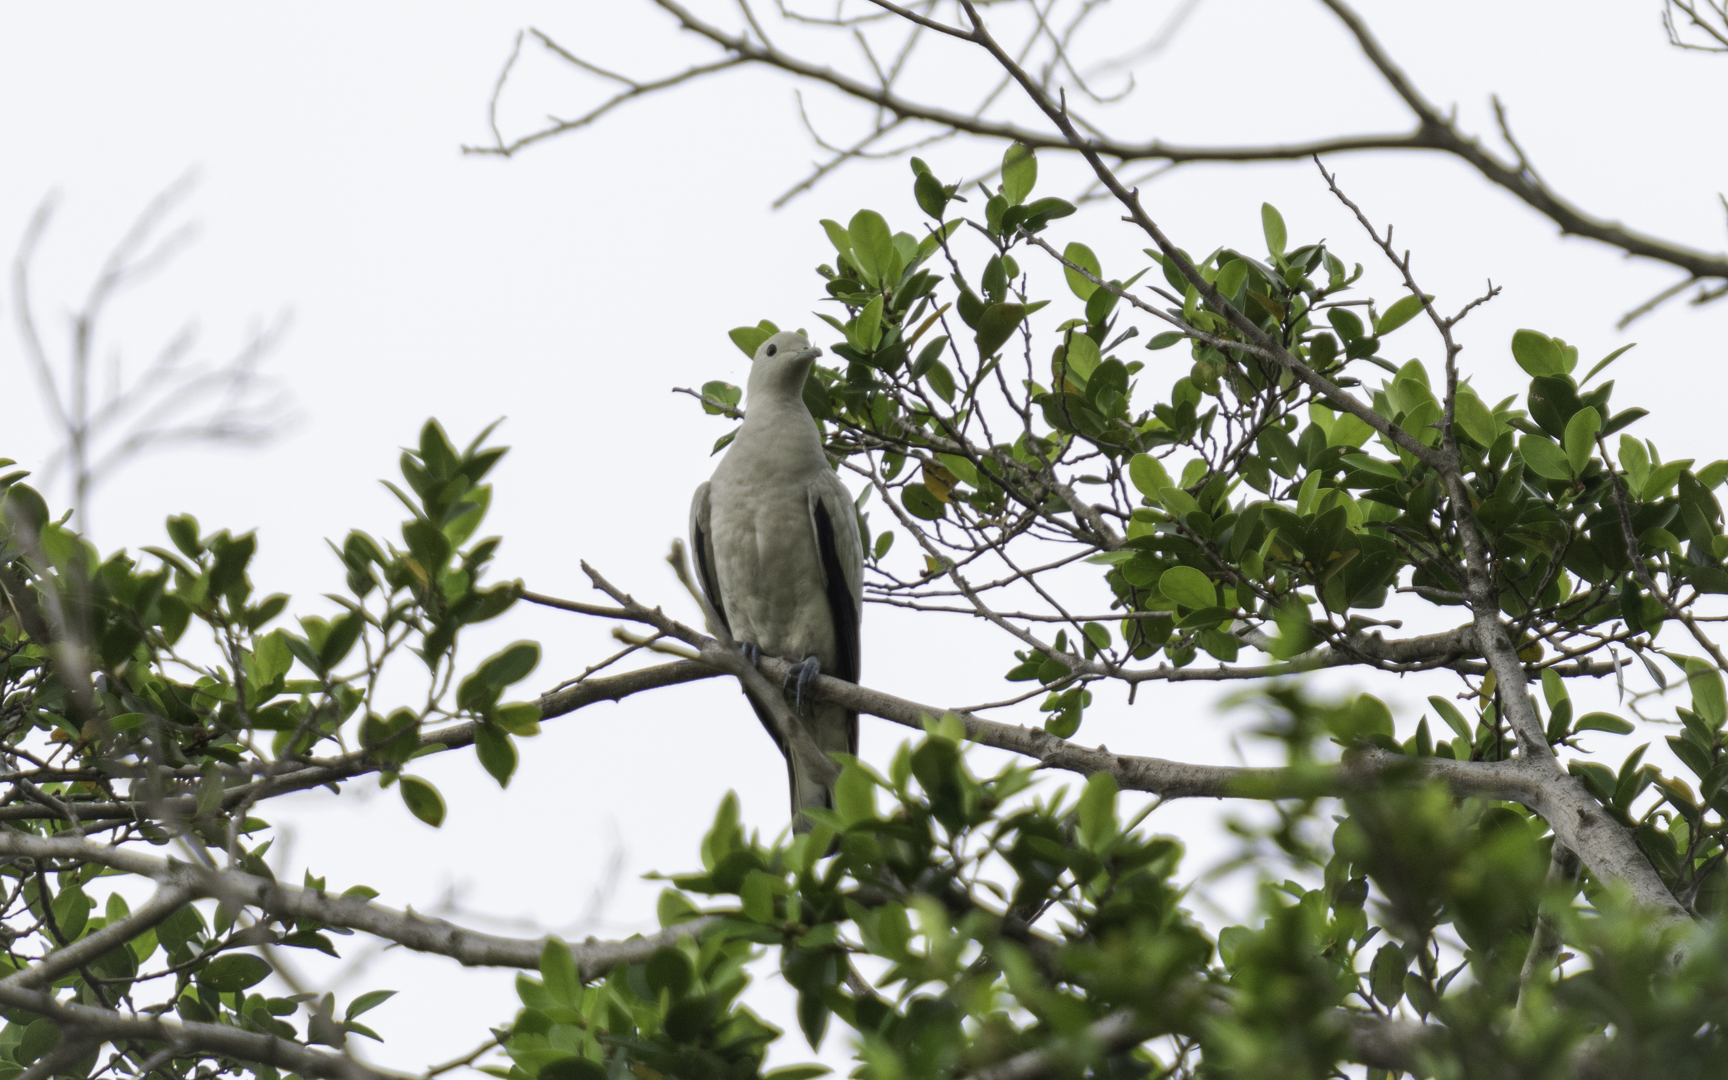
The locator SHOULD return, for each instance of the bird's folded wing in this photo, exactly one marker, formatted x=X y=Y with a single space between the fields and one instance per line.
x=702 y=550
x=841 y=552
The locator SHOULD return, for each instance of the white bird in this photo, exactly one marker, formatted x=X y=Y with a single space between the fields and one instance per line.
x=779 y=556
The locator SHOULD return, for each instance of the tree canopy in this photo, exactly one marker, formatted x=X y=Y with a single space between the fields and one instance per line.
x=1190 y=468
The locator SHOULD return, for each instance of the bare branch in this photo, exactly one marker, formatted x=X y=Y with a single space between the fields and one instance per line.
x=468 y=947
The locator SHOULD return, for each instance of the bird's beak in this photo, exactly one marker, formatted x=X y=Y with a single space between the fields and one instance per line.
x=807 y=354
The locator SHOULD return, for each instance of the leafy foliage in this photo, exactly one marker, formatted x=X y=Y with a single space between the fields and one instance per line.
x=1421 y=907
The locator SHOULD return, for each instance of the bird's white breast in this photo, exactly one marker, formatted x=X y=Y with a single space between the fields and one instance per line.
x=768 y=567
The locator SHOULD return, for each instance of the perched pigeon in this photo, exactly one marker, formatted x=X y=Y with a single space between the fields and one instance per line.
x=779 y=556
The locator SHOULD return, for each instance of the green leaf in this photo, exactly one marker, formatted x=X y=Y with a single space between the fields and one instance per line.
x=1097 y=811
x=1401 y=312
x=558 y=973
x=1229 y=280
x=1449 y=713
x=1537 y=353
x=519 y=718
x=367 y=1002
x=1635 y=460
x=496 y=751
x=932 y=197
x=1081 y=255
x=1165 y=340
x=929 y=354
x=723 y=392
x=1148 y=475
x=837 y=236
x=1081 y=358
x=1601 y=721
x=1386 y=975
x=423 y=800
x=1707 y=694
x=1019 y=173
x=1605 y=361
x=921 y=503
x=872 y=245
x=1662 y=478
x=996 y=326
x=1553 y=688
x=1475 y=418
x=1188 y=587
x=183 y=530
x=512 y=665
x=941 y=380
x=1544 y=458
x=234 y=972
x=1272 y=222
x=1581 y=438
x=960 y=467
x=866 y=330
x=855 y=796
x=38 y=1037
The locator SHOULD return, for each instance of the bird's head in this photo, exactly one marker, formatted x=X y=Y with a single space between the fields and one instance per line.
x=782 y=363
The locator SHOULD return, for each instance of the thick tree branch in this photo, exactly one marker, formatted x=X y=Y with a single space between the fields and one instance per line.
x=468 y=947
x=166 y=901
x=86 y=1022
x=1434 y=131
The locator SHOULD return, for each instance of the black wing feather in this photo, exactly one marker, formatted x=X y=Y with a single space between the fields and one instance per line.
x=705 y=575
x=841 y=608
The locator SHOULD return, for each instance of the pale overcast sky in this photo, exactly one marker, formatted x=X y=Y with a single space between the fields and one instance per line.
x=569 y=290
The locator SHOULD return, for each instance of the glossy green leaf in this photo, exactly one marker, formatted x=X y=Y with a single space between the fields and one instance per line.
x=1019 y=173
x=1096 y=810
x=1605 y=361
x=1081 y=255
x=932 y=197
x=1148 y=475
x=367 y=1002
x=559 y=975
x=996 y=326
x=1188 y=587
x=1402 y=311
x=1272 y=224
x=1544 y=458
x=1537 y=353
x=496 y=751
x=235 y=971
x=1449 y=713
x=1601 y=721
x=866 y=331
x=1230 y=278
x=1475 y=418
x=919 y=501
x=1705 y=683
x=750 y=338
x=1581 y=438
x=872 y=245
x=422 y=800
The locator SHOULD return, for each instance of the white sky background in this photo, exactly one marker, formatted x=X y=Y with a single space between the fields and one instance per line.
x=571 y=288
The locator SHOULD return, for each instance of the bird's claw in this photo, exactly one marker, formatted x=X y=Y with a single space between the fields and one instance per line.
x=751 y=652
x=805 y=675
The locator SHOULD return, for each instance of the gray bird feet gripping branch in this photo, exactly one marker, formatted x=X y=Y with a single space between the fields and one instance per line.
x=751 y=652
x=805 y=674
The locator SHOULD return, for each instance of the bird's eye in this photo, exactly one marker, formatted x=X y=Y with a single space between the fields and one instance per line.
x=772 y=349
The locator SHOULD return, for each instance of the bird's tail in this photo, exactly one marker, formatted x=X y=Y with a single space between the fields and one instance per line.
x=834 y=730
x=830 y=727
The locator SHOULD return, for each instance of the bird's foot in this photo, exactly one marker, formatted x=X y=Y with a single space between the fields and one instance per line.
x=751 y=652
x=804 y=675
